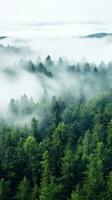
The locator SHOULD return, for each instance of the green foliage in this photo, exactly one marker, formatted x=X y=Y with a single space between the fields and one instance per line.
x=4 y=189
x=34 y=193
x=49 y=187
x=23 y=190
x=109 y=186
x=68 y=155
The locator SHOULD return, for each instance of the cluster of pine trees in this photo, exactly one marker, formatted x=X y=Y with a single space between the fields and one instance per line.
x=65 y=151
x=67 y=159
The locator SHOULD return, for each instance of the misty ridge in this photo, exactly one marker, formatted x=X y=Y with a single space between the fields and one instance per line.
x=13 y=49
x=98 y=35
x=13 y=53
x=30 y=88
x=83 y=39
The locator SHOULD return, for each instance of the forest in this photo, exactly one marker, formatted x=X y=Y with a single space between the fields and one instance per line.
x=58 y=147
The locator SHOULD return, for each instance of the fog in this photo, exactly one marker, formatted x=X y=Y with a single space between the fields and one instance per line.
x=60 y=38
x=22 y=42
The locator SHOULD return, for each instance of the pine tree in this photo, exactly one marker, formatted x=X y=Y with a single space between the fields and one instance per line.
x=109 y=186
x=94 y=182
x=34 y=193
x=68 y=171
x=4 y=190
x=49 y=188
x=23 y=190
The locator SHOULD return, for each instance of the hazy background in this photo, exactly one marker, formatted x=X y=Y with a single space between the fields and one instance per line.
x=55 y=9
x=60 y=38
x=54 y=28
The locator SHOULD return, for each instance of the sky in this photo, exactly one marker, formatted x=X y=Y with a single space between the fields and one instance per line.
x=43 y=10
x=46 y=35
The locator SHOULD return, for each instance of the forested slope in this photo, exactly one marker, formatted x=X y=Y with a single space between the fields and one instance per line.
x=73 y=160
x=63 y=150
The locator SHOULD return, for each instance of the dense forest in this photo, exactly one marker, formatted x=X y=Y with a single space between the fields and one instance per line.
x=60 y=147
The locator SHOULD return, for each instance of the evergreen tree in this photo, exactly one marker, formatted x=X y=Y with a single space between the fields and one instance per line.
x=23 y=190
x=49 y=188
x=68 y=171
x=4 y=190
x=109 y=186
x=34 y=193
